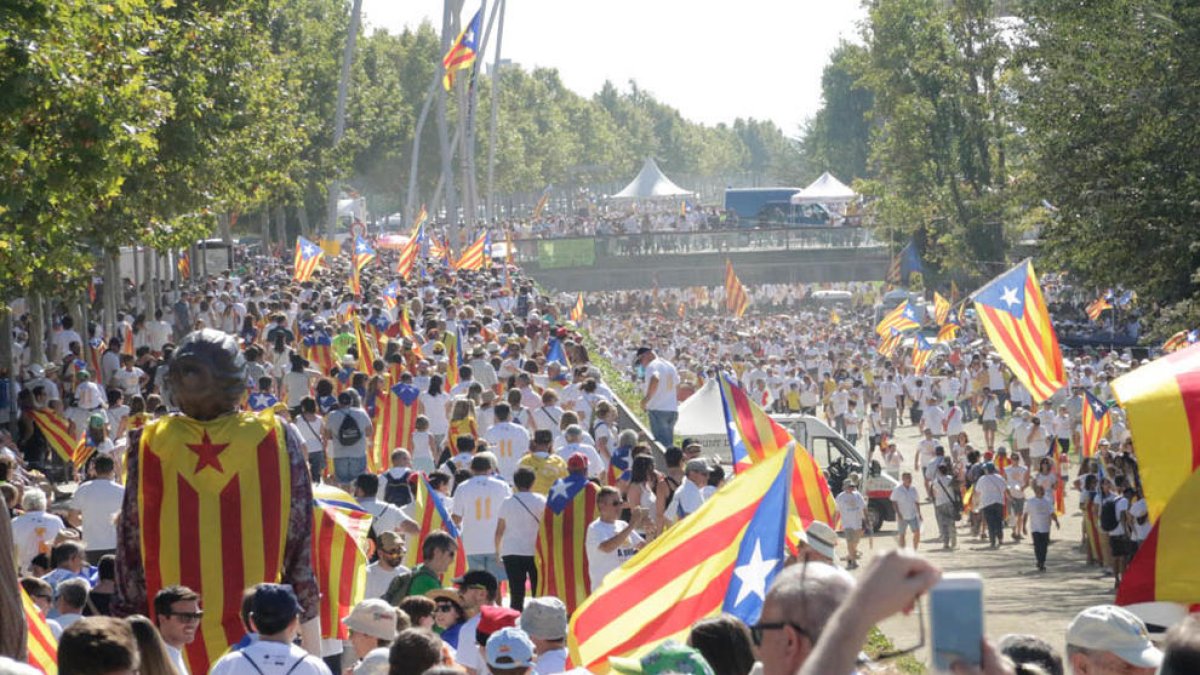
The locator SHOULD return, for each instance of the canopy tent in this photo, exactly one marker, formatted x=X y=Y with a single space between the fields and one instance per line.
x=825 y=190
x=702 y=413
x=651 y=183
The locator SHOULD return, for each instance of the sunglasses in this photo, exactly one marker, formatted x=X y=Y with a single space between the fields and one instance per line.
x=394 y=551
x=758 y=629
x=444 y=608
x=187 y=617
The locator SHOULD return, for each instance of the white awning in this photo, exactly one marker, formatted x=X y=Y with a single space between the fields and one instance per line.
x=825 y=190
x=651 y=183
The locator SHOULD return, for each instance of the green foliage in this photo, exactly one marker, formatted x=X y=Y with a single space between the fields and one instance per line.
x=837 y=139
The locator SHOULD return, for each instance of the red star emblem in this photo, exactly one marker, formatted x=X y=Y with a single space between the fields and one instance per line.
x=207 y=453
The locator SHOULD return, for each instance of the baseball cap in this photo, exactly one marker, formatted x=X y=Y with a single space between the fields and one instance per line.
x=274 y=601
x=822 y=539
x=1108 y=628
x=577 y=462
x=373 y=617
x=697 y=465
x=545 y=618
x=509 y=648
x=493 y=618
x=642 y=350
x=478 y=579
x=669 y=657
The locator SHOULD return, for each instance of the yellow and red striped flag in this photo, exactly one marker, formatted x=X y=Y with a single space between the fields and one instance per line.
x=185 y=265
x=1014 y=315
x=84 y=450
x=408 y=254
x=1096 y=422
x=127 y=338
x=1164 y=568
x=308 y=256
x=1097 y=307
x=41 y=647
x=889 y=344
x=941 y=308
x=720 y=559
x=366 y=355
x=902 y=318
x=475 y=256
x=1180 y=340
x=431 y=515
x=462 y=52
x=577 y=310
x=541 y=203
x=57 y=431
x=363 y=253
x=319 y=350
x=736 y=300
x=453 y=341
x=395 y=421
x=339 y=554
x=94 y=352
x=948 y=332
x=922 y=352
x=561 y=554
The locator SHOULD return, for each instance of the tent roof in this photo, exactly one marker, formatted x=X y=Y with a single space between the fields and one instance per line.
x=651 y=182
x=826 y=189
x=702 y=413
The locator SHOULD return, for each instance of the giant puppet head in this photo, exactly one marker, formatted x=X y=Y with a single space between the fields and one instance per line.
x=207 y=374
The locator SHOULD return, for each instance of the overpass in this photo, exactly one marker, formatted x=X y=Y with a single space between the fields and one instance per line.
x=672 y=259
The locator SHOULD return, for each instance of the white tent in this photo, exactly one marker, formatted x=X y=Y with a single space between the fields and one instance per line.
x=825 y=190
x=702 y=413
x=651 y=183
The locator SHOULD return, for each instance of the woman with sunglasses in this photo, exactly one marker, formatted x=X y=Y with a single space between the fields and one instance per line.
x=448 y=614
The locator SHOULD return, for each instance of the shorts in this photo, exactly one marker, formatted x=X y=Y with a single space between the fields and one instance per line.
x=1016 y=506
x=988 y=425
x=488 y=563
x=346 y=469
x=853 y=536
x=1119 y=545
x=903 y=525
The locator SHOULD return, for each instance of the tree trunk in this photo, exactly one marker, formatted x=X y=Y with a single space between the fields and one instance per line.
x=281 y=237
x=37 y=329
x=148 y=280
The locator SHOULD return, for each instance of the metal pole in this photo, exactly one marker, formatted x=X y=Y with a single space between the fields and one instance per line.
x=339 y=116
x=410 y=203
x=501 y=5
x=448 y=24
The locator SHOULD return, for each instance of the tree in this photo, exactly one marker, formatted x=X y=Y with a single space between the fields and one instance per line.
x=837 y=139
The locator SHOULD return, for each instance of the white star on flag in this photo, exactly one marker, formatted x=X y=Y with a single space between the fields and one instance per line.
x=1010 y=296
x=559 y=490
x=753 y=575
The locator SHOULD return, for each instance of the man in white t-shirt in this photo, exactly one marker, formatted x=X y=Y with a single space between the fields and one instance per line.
x=853 y=508
x=889 y=402
x=610 y=542
x=989 y=490
x=98 y=501
x=516 y=534
x=389 y=565
x=386 y=518
x=34 y=531
x=275 y=616
x=908 y=509
x=508 y=441
x=575 y=443
x=691 y=494
x=1040 y=510
x=476 y=510
x=660 y=399
x=926 y=449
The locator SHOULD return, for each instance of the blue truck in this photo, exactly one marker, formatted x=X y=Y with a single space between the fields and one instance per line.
x=772 y=207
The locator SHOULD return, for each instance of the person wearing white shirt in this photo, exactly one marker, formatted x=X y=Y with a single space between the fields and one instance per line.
x=908 y=509
x=380 y=573
x=275 y=616
x=989 y=490
x=610 y=542
x=386 y=518
x=508 y=441
x=35 y=531
x=926 y=449
x=952 y=423
x=1060 y=428
x=516 y=535
x=889 y=401
x=852 y=508
x=476 y=512
x=660 y=398
x=690 y=496
x=1016 y=475
x=574 y=443
x=98 y=501
x=1037 y=440
x=933 y=417
x=1041 y=513
x=61 y=341
x=988 y=411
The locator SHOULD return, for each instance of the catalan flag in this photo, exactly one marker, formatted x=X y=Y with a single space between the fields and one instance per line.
x=1164 y=568
x=391 y=293
x=1180 y=340
x=339 y=550
x=941 y=309
x=366 y=355
x=453 y=339
x=363 y=253
x=720 y=559
x=902 y=318
x=475 y=256
x=57 y=431
x=541 y=203
x=1096 y=422
x=888 y=346
x=184 y=264
x=319 y=348
x=556 y=354
x=561 y=554
x=308 y=256
x=948 y=332
x=422 y=216
x=394 y=424
x=439 y=248
x=905 y=264
x=85 y=449
x=922 y=352
x=577 y=310
x=94 y=352
x=1014 y=315
x=41 y=647
x=1097 y=306
x=461 y=55
x=408 y=254
x=431 y=515
x=736 y=299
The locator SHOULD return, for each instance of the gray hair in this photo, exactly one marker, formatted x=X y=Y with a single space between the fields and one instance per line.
x=809 y=593
x=34 y=500
x=74 y=592
x=627 y=439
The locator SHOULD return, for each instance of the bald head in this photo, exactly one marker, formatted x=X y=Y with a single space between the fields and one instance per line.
x=798 y=605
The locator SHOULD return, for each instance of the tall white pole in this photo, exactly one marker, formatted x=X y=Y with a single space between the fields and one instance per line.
x=339 y=116
x=501 y=5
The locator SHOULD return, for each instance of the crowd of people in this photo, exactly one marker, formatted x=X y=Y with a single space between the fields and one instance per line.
x=511 y=413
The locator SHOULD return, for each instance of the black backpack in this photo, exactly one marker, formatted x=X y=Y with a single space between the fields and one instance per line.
x=348 y=432
x=1108 y=515
x=397 y=491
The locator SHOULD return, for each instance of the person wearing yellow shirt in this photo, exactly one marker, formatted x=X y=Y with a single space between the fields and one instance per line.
x=546 y=466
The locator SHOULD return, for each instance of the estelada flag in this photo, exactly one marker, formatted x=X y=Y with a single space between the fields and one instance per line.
x=922 y=352
x=339 y=549
x=363 y=253
x=561 y=553
x=391 y=293
x=185 y=265
x=1097 y=307
x=408 y=254
x=453 y=341
x=308 y=256
x=57 y=431
x=475 y=256
x=948 y=332
x=41 y=647
x=889 y=344
x=213 y=502
x=366 y=355
x=94 y=353
x=577 y=310
x=431 y=515
x=1164 y=568
x=1096 y=421
x=902 y=318
x=394 y=424
x=84 y=450
x=461 y=54
x=319 y=347
x=1014 y=315
x=1161 y=400
x=722 y=558
x=941 y=308
x=736 y=300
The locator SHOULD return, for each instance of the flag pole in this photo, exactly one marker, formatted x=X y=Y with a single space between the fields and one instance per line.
x=339 y=116
x=410 y=201
x=448 y=25
x=501 y=5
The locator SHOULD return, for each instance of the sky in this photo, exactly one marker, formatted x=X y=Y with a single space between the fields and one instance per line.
x=713 y=60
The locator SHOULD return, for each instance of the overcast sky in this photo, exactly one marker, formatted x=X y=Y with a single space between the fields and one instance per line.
x=714 y=60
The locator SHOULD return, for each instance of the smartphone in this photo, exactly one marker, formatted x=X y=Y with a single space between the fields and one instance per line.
x=956 y=620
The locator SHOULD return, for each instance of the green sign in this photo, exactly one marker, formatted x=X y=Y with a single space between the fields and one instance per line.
x=559 y=253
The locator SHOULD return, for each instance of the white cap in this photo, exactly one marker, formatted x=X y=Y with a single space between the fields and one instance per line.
x=373 y=617
x=1108 y=628
x=821 y=538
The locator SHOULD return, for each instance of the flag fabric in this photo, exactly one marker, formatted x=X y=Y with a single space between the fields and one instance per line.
x=1127 y=298
x=235 y=471
x=1164 y=568
x=57 y=431
x=1180 y=340
x=954 y=294
x=577 y=310
x=184 y=264
x=308 y=256
x=363 y=253
x=941 y=309
x=736 y=299
x=431 y=515
x=1096 y=422
x=834 y=317
x=888 y=346
x=682 y=311
x=366 y=355
x=94 y=352
x=948 y=332
x=127 y=338
x=41 y=647
x=394 y=425
x=1014 y=315
x=902 y=318
x=556 y=354
x=408 y=254
x=422 y=216
x=722 y=558
x=319 y=349
x=1161 y=400
x=339 y=554
x=438 y=248
x=85 y=449
x=461 y=54
x=453 y=341
x=907 y=262
x=922 y=351
x=391 y=293
x=1097 y=307
x=561 y=553
x=475 y=255
x=541 y=203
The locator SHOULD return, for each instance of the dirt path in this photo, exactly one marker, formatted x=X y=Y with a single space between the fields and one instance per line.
x=1017 y=598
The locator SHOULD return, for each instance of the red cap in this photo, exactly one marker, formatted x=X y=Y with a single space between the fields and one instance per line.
x=493 y=617
x=577 y=462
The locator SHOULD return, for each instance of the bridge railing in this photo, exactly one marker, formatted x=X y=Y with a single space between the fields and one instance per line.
x=584 y=251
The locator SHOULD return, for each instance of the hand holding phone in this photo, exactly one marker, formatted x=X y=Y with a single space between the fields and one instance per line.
x=956 y=620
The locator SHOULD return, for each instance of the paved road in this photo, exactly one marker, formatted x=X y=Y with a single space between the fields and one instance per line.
x=1017 y=598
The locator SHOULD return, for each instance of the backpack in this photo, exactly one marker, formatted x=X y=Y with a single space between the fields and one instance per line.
x=348 y=432
x=397 y=491
x=1108 y=515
